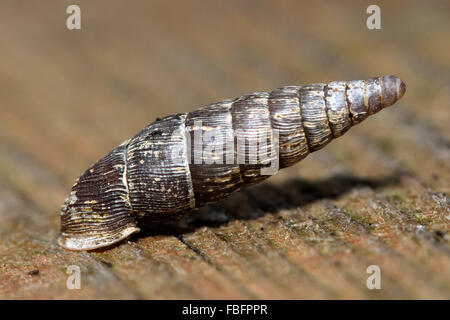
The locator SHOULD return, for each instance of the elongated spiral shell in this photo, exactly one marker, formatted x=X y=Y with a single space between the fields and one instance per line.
x=189 y=160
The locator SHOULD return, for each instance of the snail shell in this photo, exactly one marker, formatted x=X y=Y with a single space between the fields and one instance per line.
x=189 y=160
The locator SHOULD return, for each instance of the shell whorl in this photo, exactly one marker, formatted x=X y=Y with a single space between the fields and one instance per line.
x=215 y=155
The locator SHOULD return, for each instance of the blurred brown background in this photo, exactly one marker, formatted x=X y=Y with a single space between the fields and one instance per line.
x=378 y=195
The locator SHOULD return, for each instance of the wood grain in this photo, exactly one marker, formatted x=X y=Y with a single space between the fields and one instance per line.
x=379 y=195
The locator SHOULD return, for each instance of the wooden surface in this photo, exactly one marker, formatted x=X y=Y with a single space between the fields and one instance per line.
x=377 y=196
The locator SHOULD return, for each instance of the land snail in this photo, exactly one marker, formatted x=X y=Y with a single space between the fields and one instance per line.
x=188 y=160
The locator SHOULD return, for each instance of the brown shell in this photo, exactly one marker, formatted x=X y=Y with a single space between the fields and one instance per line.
x=186 y=161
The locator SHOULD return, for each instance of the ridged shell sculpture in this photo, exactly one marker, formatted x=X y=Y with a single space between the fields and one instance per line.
x=188 y=160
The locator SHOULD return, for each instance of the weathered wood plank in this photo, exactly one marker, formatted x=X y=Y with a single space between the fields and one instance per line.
x=379 y=195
